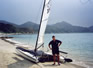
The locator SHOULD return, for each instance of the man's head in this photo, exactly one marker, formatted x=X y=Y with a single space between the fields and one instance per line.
x=53 y=37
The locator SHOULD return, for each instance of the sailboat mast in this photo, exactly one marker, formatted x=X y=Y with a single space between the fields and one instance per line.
x=40 y=25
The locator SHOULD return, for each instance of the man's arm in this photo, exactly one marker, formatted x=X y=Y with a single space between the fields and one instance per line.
x=59 y=43
x=49 y=45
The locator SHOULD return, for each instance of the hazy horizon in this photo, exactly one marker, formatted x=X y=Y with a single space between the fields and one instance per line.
x=75 y=12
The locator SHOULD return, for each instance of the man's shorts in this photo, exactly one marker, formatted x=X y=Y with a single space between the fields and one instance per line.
x=55 y=52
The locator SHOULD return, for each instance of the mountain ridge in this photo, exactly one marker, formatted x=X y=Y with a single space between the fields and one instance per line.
x=60 y=27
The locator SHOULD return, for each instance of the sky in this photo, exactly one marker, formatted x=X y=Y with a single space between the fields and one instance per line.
x=75 y=12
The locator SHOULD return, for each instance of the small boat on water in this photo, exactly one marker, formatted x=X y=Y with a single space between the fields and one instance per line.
x=36 y=55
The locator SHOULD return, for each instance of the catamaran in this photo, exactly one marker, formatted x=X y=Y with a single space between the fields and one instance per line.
x=36 y=55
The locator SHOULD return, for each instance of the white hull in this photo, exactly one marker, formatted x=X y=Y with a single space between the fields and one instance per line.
x=27 y=55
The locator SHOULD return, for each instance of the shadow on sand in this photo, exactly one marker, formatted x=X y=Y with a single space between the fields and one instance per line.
x=21 y=63
x=49 y=65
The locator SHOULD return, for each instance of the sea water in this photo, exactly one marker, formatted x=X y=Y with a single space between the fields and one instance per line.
x=78 y=45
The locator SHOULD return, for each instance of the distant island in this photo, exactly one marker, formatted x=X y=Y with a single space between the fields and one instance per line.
x=30 y=27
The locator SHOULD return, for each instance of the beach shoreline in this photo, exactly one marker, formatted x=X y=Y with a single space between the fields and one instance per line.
x=9 y=59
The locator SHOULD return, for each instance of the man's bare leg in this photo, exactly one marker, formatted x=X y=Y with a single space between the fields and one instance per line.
x=58 y=59
x=54 y=59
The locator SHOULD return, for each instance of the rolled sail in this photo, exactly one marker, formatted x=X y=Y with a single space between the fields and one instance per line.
x=43 y=23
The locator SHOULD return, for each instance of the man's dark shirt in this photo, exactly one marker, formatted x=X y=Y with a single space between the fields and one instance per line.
x=55 y=47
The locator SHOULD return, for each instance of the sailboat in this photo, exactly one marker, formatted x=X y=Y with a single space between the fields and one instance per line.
x=36 y=55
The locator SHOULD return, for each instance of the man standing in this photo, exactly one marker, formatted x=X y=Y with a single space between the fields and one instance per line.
x=55 y=48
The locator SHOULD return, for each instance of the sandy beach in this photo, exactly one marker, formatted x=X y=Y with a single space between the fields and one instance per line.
x=9 y=59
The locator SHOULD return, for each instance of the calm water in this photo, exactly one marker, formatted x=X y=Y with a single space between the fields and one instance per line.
x=78 y=45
